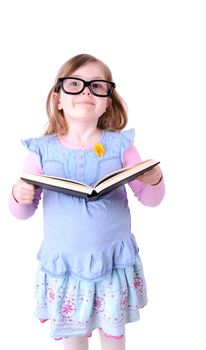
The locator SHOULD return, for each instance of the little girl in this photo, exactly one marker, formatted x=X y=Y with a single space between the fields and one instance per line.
x=90 y=274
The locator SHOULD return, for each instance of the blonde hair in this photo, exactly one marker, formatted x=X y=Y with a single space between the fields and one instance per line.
x=115 y=116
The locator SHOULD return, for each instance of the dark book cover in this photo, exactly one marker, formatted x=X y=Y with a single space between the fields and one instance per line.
x=103 y=186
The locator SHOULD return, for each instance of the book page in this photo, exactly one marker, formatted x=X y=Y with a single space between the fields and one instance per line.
x=124 y=173
x=133 y=167
x=46 y=181
x=60 y=179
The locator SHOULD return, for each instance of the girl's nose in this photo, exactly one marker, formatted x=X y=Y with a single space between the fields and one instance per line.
x=86 y=91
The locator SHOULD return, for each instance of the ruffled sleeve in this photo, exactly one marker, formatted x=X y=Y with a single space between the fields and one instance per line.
x=33 y=145
x=127 y=139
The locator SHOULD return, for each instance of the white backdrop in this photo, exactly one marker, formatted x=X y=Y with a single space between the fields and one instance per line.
x=156 y=51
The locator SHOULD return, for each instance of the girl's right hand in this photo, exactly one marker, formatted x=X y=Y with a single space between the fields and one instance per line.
x=23 y=192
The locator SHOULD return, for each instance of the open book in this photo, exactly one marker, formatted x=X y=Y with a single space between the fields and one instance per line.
x=107 y=183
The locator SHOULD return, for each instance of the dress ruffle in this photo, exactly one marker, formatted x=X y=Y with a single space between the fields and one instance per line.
x=127 y=138
x=89 y=266
x=76 y=307
x=116 y=141
x=35 y=144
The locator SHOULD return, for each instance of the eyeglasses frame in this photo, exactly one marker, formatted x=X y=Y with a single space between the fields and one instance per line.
x=59 y=84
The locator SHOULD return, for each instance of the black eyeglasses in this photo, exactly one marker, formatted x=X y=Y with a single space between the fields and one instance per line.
x=75 y=86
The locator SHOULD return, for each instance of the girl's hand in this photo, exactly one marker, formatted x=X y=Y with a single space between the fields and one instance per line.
x=23 y=192
x=151 y=177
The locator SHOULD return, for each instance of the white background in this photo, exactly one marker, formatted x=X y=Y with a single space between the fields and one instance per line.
x=156 y=51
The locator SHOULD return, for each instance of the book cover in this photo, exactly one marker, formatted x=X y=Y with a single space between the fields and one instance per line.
x=107 y=183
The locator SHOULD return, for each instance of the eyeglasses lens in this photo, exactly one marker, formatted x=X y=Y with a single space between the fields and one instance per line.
x=100 y=88
x=73 y=85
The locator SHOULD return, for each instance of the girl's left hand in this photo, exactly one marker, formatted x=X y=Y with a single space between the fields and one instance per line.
x=151 y=177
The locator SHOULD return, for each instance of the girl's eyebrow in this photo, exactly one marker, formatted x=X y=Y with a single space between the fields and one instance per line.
x=80 y=77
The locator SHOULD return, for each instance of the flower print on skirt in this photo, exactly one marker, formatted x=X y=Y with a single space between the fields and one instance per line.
x=76 y=306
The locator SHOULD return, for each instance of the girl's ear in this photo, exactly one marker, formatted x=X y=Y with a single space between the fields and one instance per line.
x=109 y=102
x=55 y=95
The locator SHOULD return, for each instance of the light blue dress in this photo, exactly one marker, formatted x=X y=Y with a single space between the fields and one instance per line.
x=90 y=273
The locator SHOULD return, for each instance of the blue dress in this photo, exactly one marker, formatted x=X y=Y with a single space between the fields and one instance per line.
x=90 y=274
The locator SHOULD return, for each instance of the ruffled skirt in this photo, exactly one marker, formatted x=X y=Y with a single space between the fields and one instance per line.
x=75 y=307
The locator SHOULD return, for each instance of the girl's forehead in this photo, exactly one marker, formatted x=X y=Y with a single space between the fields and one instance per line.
x=91 y=70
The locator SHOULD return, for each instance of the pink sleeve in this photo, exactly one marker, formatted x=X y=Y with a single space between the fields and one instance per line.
x=148 y=195
x=24 y=211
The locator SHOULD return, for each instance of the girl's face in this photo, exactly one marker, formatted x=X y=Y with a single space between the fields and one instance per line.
x=85 y=106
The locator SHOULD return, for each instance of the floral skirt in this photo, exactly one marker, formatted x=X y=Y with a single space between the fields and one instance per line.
x=75 y=307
